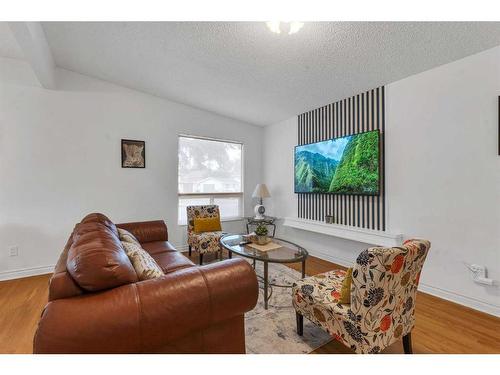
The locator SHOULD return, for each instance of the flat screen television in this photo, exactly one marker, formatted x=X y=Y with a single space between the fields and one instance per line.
x=346 y=165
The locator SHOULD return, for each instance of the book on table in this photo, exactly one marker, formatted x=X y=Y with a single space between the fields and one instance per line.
x=267 y=247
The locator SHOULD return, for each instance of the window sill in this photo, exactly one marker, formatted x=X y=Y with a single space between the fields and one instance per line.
x=228 y=219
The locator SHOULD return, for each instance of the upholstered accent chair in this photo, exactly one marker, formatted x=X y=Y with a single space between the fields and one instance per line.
x=205 y=242
x=382 y=301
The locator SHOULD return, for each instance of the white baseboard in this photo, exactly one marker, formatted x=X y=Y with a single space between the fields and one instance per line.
x=330 y=258
x=472 y=303
x=25 y=272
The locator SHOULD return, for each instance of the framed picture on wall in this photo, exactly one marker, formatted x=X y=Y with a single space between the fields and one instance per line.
x=133 y=154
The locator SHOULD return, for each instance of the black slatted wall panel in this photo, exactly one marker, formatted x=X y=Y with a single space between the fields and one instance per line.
x=357 y=114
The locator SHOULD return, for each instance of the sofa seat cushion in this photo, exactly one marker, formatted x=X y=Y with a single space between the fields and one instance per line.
x=172 y=261
x=157 y=247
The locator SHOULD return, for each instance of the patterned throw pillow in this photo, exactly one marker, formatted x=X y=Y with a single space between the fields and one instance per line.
x=126 y=236
x=207 y=224
x=144 y=265
x=345 y=292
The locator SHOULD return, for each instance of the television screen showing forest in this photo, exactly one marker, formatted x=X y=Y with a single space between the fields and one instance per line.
x=347 y=165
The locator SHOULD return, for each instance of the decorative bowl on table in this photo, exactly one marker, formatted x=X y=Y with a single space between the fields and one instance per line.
x=262 y=240
x=259 y=240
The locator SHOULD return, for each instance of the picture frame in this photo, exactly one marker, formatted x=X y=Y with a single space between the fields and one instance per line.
x=133 y=153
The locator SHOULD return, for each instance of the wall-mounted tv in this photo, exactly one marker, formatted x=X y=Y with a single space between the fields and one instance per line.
x=346 y=165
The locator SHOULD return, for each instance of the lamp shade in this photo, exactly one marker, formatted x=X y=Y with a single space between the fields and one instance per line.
x=261 y=191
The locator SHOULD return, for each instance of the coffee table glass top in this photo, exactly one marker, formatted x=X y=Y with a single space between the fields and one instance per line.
x=287 y=253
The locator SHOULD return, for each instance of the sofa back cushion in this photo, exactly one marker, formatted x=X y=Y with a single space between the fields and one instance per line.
x=147 y=231
x=61 y=283
x=96 y=259
x=102 y=219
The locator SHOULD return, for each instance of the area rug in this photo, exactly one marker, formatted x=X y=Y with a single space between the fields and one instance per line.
x=273 y=331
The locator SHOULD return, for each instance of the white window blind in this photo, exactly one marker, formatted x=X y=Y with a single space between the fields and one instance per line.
x=210 y=172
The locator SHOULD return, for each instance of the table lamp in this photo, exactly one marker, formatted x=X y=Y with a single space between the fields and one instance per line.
x=260 y=192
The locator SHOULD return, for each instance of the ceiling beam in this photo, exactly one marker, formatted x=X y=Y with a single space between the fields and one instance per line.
x=31 y=38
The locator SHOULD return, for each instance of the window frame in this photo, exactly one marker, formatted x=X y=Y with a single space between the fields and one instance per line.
x=213 y=196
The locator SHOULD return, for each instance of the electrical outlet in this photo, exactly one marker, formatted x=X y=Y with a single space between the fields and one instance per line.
x=13 y=251
x=479 y=274
x=478 y=271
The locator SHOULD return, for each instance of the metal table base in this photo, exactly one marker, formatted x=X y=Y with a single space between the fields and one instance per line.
x=268 y=287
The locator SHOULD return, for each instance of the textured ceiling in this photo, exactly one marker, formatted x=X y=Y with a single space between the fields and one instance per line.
x=242 y=70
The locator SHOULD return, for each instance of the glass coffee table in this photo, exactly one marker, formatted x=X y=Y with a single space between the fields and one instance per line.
x=287 y=253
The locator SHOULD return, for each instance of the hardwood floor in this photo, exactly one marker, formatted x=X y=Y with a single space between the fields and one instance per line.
x=21 y=303
x=441 y=326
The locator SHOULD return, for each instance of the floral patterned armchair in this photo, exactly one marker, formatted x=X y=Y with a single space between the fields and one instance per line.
x=383 y=292
x=206 y=242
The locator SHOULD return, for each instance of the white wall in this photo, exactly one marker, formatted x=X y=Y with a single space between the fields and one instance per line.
x=60 y=159
x=442 y=172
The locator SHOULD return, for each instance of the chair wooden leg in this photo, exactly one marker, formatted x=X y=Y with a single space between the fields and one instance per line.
x=189 y=250
x=407 y=344
x=300 y=324
x=201 y=259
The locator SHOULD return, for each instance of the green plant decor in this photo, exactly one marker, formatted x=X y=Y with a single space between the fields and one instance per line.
x=261 y=230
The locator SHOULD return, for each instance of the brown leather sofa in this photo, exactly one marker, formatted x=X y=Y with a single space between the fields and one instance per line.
x=97 y=305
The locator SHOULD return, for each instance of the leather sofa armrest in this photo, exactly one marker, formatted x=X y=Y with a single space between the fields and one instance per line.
x=233 y=287
x=104 y=322
x=147 y=231
x=148 y=315
x=194 y=298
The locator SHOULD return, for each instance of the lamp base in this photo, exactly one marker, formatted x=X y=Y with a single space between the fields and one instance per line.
x=259 y=211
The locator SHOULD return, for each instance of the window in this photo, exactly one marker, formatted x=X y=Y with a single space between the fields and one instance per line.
x=210 y=172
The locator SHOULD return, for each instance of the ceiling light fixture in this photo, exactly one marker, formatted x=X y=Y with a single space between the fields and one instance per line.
x=288 y=27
